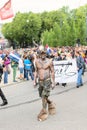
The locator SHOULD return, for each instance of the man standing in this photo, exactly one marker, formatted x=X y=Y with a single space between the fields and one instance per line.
x=45 y=72
x=14 y=66
x=80 y=62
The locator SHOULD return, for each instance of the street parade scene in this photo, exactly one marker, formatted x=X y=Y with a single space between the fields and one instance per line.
x=43 y=65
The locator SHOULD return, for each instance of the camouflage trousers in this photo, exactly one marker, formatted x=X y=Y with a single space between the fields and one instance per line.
x=44 y=88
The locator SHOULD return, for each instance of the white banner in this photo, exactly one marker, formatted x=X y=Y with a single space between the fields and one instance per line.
x=65 y=71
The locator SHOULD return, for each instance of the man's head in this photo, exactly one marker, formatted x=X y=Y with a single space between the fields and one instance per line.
x=42 y=52
x=43 y=55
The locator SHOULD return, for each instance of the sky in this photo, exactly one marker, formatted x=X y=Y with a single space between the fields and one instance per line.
x=42 y=5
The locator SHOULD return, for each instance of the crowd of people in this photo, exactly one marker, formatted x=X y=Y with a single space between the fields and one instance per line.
x=37 y=63
x=28 y=57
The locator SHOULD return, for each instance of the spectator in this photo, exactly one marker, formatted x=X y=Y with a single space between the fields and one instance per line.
x=63 y=57
x=21 y=68
x=14 y=66
x=5 y=102
x=28 y=69
x=25 y=55
x=6 y=68
x=80 y=62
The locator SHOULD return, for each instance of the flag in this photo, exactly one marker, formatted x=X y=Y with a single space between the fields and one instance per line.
x=14 y=57
x=6 y=11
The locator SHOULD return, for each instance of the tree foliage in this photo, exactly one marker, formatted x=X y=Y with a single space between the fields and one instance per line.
x=56 y=28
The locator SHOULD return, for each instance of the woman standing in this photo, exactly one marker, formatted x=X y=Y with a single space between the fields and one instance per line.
x=21 y=68
x=6 y=68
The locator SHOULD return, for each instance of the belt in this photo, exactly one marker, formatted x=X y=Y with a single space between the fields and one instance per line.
x=45 y=80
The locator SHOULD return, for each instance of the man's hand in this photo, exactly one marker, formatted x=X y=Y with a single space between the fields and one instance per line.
x=34 y=84
x=53 y=85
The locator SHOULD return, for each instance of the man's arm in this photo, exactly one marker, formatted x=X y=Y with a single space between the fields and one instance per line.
x=35 y=74
x=52 y=74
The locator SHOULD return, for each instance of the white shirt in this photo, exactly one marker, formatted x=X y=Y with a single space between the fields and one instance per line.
x=21 y=65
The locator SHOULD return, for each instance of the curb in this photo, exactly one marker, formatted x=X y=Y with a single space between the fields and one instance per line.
x=9 y=84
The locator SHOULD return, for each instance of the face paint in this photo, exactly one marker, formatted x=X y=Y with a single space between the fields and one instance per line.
x=43 y=56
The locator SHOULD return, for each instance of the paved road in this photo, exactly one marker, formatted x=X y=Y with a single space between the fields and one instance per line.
x=25 y=104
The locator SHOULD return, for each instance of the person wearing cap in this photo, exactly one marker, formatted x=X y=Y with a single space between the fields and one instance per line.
x=46 y=79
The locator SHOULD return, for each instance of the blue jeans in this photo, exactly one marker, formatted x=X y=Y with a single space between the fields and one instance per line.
x=24 y=73
x=5 y=77
x=27 y=73
x=31 y=74
x=79 y=78
x=21 y=70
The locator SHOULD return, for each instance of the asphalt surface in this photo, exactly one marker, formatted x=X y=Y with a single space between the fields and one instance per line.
x=24 y=105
